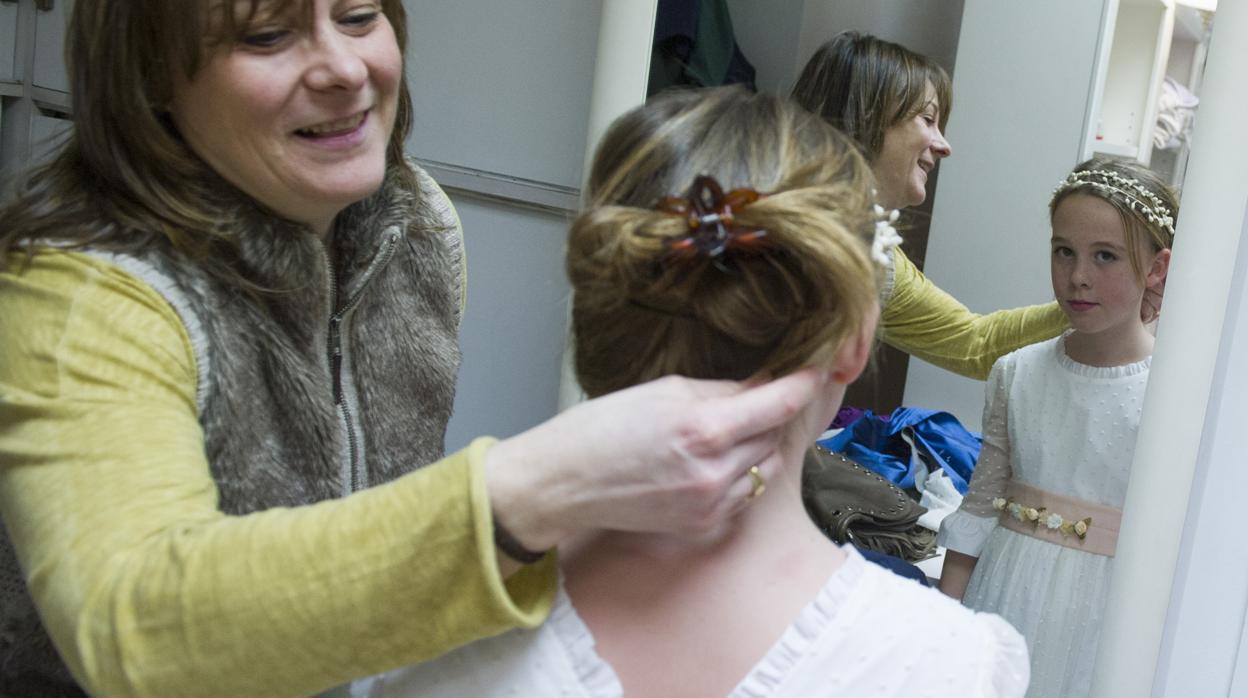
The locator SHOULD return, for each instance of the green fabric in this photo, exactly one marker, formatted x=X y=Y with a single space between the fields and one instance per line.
x=714 y=44
x=707 y=65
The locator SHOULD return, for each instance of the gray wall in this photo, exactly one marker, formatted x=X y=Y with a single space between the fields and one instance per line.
x=503 y=90
x=778 y=36
x=34 y=89
x=514 y=327
x=503 y=87
x=1016 y=128
x=767 y=32
x=929 y=27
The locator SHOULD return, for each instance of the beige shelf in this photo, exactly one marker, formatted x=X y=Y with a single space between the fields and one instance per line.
x=1125 y=150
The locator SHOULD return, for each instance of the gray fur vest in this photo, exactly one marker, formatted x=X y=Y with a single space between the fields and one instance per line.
x=338 y=375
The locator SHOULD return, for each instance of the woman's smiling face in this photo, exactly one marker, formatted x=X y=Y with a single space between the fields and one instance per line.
x=911 y=149
x=297 y=112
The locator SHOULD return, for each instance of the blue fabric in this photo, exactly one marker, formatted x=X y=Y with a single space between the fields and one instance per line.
x=876 y=443
x=895 y=565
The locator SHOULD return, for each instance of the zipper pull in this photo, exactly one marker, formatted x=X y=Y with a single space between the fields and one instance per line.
x=335 y=366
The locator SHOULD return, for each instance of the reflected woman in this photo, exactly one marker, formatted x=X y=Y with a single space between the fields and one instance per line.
x=895 y=103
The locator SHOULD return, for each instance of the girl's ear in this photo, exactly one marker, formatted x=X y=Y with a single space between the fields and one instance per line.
x=854 y=354
x=1158 y=269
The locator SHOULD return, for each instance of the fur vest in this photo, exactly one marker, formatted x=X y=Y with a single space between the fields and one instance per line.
x=336 y=374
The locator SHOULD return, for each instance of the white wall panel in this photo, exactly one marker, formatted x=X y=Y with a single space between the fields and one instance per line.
x=1019 y=112
x=515 y=323
x=503 y=87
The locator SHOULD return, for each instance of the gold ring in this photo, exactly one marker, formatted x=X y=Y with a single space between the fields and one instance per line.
x=760 y=485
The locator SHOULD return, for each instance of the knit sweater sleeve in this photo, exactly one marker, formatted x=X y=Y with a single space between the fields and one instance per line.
x=145 y=586
x=924 y=321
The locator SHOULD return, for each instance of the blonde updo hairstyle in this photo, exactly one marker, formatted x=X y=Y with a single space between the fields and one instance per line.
x=638 y=315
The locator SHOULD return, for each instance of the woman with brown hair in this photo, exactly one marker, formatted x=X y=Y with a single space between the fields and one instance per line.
x=895 y=103
x=729 y=236
x=228 y=346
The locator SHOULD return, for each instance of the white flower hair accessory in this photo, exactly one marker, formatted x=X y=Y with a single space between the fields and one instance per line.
x=1139 y=198
x=886 y=237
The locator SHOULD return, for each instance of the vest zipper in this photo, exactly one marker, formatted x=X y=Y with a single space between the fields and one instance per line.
x=342 y=401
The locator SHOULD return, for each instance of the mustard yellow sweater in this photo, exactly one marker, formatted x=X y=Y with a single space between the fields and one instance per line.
x=924 y=321
x=145 y=586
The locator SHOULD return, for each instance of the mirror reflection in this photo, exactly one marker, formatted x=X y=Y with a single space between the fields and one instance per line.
x=1112 y=122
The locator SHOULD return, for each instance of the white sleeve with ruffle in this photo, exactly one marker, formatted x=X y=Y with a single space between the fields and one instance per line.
x=967 y=529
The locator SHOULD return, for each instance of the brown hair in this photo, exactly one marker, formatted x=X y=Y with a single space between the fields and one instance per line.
x=124 y=176
x=637 y=316
x=1136 y=223
x=864 y=85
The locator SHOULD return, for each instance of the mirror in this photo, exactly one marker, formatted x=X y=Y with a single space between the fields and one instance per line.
x=1036 y=89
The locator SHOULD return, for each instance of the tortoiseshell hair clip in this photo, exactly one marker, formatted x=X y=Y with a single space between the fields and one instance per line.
x=713 y=231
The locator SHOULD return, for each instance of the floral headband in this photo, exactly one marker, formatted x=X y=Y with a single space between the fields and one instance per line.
x=714 y=232
x=1139 y=198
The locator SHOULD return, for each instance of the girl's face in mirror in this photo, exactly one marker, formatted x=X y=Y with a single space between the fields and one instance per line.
x=1093 y=278
x=298 y=111
x=911 y=149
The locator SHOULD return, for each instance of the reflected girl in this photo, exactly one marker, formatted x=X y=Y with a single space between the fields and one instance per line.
x=1039 y=524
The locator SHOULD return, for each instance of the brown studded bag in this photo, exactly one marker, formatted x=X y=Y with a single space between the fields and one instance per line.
x=852 y=504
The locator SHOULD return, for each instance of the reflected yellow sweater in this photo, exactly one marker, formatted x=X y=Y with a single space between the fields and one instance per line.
x=924 y=321
x=145 y=586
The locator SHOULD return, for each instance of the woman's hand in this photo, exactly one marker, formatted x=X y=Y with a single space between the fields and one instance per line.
x=671 y=455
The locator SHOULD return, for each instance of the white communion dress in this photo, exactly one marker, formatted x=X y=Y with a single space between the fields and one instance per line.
x=1066 y=428
x=868 y=632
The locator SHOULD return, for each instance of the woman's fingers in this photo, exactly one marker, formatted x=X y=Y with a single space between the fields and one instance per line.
x=671 y=455
x=743 y=491
x=723 y=423
x=737 y=487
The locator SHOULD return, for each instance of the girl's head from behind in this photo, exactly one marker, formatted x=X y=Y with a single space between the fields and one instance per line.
x=1113 y=224
x=760 y=287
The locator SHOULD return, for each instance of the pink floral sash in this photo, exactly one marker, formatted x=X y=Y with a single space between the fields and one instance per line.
x=1074 y=523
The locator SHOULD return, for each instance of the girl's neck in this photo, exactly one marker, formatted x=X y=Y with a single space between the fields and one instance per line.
x=1128 y=345
x=776 y=515
x=668 y=600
